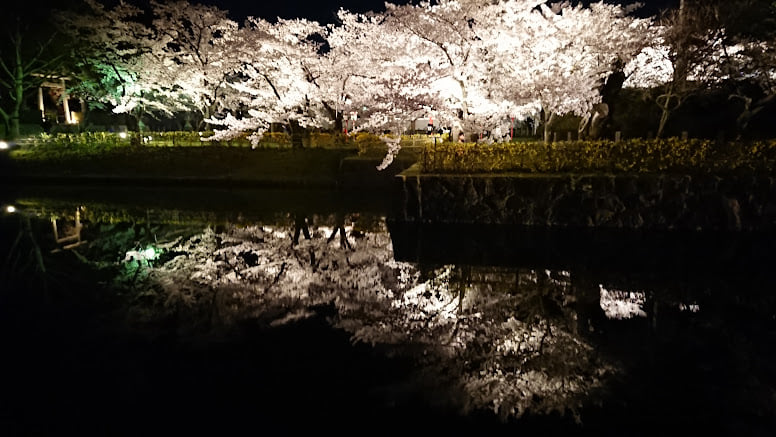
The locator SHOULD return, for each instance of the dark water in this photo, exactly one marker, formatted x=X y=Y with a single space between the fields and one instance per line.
x=288 y=312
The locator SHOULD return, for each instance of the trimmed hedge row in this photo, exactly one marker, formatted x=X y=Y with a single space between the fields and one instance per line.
x=98 y=141
x=627 y=156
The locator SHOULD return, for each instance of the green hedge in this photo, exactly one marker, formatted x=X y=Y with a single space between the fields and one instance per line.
x=91 y=142
x=196 y=139
x=627 y=156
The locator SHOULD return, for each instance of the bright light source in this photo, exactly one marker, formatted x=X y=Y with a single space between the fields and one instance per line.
x=149 y=253
x=10 y=209
x=3 y=145
x=141 y=255
x=122 y=135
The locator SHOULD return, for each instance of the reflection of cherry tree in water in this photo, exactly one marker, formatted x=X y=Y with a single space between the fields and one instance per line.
x=339 y=227
x=300 y=226
x=505 y=337
x=508 y=337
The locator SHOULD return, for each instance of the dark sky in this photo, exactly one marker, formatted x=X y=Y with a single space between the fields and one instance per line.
x=324 y=11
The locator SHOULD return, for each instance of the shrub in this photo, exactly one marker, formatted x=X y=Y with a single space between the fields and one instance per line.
x=270 y=140
x=629 y=156
x=366 y=143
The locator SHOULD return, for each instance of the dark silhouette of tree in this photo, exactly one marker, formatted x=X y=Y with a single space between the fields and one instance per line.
x=28 y=53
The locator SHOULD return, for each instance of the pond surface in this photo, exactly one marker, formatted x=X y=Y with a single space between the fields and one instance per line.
x=138 y=311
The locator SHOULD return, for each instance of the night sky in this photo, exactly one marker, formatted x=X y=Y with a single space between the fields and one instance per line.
x=324 y=11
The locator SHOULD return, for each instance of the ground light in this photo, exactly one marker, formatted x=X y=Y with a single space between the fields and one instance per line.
x=10 y=209
x=3 y=145
x=148 y=254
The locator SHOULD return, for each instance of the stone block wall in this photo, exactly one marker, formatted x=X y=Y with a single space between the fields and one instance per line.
x=641 y=201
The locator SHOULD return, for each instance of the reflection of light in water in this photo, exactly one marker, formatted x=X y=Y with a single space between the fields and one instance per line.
x=275 y=233
x=693 y=308
x=618 y=304
x=425 y=299
x=140 y=255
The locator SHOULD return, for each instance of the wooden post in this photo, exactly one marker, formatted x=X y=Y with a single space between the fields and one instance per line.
x=568 y=136
x=617 y=136
x=685 y=135
x=65 y=103
x=41 y=107
x=554 y=137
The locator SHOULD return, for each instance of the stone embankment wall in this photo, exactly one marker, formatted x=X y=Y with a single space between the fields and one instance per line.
x=643 y=201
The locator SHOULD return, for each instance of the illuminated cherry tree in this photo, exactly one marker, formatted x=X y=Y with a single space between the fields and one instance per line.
x=469 y=64
x=179 y=63
x=194 y=45
x=443 y=38
x=553 y=59
x=371 y=74
x=273 y=82
x=475 y=64
x=110 y=49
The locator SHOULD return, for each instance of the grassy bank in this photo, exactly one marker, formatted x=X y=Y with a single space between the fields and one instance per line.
x=211 y=162
x=181 y=158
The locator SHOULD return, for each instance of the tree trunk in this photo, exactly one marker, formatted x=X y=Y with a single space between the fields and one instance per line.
x=664 y=102
x=297 y=134
x=663 y=120
x=596 y=124
x=6 y=125
x=17 y=96
x=549 y=118
x=334 y=115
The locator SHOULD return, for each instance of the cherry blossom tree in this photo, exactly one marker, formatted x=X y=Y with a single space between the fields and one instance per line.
x=117 y=61
x=443 y=38
x=367 y=71
x=469 y=64
x=554 y=58
x=194 y=43
x=272 y=84
x=474 y=63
